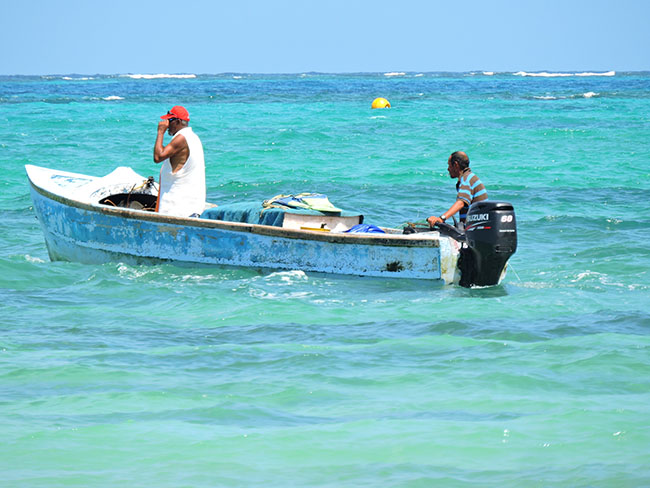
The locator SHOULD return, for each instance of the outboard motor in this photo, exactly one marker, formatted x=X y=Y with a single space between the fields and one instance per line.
x=491 y=236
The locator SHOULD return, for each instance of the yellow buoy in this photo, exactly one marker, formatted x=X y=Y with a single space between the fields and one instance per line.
x=380 y=103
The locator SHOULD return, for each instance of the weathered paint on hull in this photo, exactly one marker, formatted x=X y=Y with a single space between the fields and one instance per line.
x=95 y=234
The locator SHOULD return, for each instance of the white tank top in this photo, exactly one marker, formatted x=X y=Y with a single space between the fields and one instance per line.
x=183 y=193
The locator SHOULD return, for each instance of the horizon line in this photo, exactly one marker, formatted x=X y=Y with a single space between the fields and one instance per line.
x=382 y=72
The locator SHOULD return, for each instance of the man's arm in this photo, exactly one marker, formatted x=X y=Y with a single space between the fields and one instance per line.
x=160 y=152
x=458 y=204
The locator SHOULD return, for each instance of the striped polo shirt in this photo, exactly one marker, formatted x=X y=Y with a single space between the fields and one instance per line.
x=470 y=190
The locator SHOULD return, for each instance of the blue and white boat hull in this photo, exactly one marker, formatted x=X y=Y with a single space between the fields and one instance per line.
x=78 y=229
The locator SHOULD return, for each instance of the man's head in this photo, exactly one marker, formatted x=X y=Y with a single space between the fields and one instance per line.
x=457 y=163
x=178 y=118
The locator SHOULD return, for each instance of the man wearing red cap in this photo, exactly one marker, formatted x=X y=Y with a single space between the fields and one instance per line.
x=182 y=176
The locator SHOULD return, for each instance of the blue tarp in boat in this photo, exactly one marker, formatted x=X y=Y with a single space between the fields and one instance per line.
x=255 y=213
x=365 y=229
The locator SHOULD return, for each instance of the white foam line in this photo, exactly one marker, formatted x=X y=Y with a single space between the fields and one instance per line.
x=608 y=73
x=155 y=76
x=545 y=74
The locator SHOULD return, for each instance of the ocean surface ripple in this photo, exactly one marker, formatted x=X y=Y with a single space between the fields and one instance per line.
x=172 y=376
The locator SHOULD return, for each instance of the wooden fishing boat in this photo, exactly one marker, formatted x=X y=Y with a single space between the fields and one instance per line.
x=102 y=219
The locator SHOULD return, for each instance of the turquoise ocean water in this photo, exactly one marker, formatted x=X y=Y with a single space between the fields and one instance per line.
x=177 y=377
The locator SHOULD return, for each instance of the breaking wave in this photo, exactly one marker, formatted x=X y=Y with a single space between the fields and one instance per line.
x=395 y=73
x=552 y=97
x=156 y=76
x=545 y=74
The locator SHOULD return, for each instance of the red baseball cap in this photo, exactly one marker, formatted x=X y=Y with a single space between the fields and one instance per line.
x=177 y=112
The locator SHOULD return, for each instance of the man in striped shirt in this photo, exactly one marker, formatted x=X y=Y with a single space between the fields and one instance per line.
x=469 y=188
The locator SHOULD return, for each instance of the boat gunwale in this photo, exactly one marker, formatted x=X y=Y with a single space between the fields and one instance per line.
x=392 y=240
